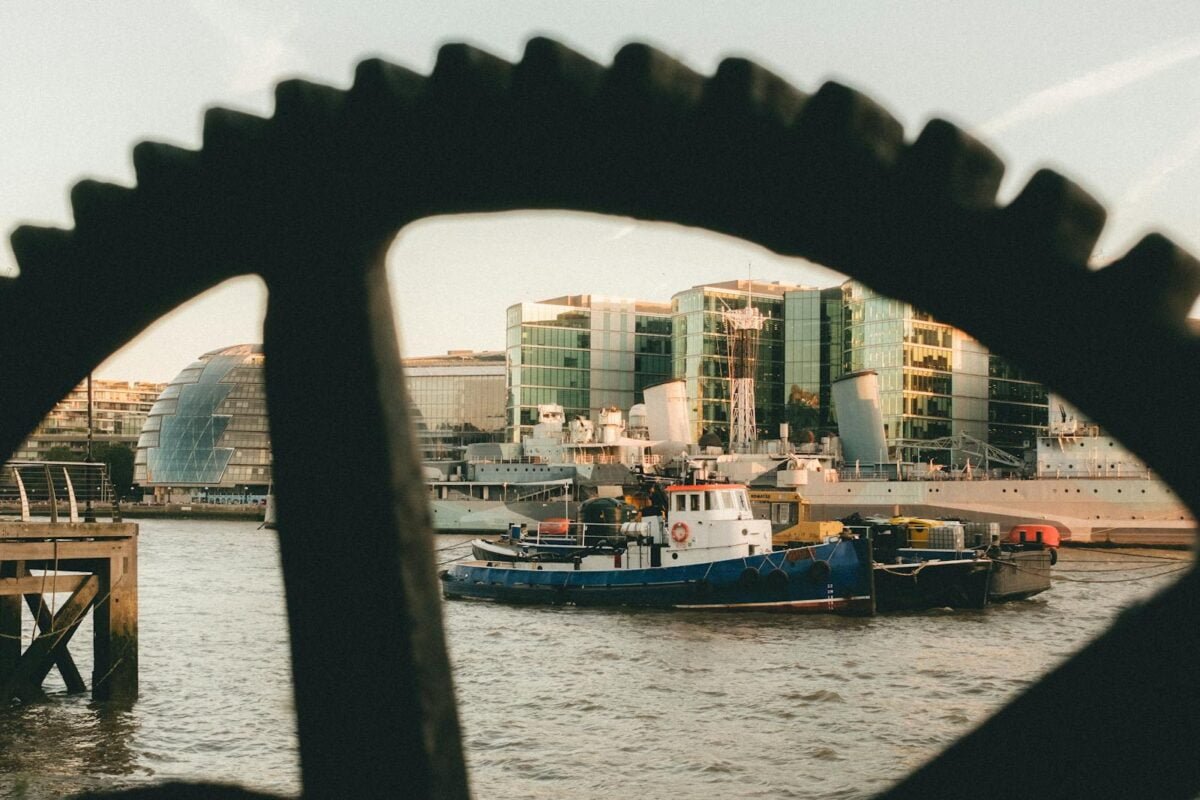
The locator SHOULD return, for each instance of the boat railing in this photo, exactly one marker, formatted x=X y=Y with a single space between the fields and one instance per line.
x=1117 y=473
x=519 y=460
x=555 y=532
x=516 y=491
x=1092 y=472
x=595 y=458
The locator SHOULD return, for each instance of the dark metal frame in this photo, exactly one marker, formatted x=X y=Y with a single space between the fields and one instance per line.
x=310 y=200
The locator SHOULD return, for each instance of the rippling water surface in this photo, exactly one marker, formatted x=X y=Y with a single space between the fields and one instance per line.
x=563 y=702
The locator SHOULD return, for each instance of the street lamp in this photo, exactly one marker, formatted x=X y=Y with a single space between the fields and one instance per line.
x=89 y=514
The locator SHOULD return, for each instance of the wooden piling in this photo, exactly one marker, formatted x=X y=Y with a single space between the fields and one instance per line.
x=100 y=562
x=10 y=622
x=115 y=670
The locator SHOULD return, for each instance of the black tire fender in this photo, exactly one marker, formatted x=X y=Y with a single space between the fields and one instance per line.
x=749 y=578
x=777 y=581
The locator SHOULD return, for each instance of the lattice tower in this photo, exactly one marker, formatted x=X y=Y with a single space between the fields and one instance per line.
x=742 y=328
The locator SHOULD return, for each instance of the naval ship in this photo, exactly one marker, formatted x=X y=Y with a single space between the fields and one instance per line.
x=539 y=481
x=1075 y=477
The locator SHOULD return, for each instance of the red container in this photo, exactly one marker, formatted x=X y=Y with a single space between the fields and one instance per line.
x=555 y=526
x=1047 y=535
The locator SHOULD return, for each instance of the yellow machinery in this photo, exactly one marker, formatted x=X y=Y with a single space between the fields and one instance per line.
x=918 y=529
x=788 y=513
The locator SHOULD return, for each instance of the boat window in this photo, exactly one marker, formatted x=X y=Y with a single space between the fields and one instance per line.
x=726 y=500
x=681 y=502
x=742 y=503
x=695 y=501
x=710 y=502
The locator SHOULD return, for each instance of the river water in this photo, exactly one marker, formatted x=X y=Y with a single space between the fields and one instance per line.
x=566 y=702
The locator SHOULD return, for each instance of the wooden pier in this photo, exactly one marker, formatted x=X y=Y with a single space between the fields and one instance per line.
x=96 y=564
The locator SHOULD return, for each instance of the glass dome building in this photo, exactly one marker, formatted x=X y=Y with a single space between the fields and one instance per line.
x=206 y=438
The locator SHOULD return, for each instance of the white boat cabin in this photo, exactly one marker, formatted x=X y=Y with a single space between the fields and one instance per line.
x=703 y=524
x=715 y=516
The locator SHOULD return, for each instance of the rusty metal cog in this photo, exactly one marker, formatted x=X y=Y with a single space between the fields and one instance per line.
x=310 y=199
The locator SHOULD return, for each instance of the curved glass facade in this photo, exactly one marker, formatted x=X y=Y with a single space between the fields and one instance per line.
x=208 y=428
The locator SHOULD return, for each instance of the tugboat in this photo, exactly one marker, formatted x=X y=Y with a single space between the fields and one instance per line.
x=703 y=550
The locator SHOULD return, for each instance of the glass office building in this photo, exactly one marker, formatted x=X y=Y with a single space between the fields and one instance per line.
x=206 y=438
x=1018 y=407
x=583 y=352
x=456 y=399
x=935 y=381
x=813 y=328
x=700 y=355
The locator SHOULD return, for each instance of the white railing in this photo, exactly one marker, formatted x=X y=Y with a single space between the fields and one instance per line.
x=35 y=485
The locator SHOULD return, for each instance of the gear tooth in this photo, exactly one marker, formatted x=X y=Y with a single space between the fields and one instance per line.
x=550 y=73
x=554 y=122
x=742 y=150
x=1155 y=280
x=946 y=162
x=377 y=81
x=741 y=88
x=42 y=251
x=844 y=123
x=842 y=151
x=469 y=75
x=1056 y=217
x=96 y=204
x=641 y=125
x=640 y=70
x=161 y=167
x=227 y=131
x=300 y=99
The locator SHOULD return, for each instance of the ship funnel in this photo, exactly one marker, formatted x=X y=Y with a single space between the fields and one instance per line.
x=860 y=418
x=667 y=412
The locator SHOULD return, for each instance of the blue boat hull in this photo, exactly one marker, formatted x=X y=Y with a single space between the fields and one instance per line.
x=822 y=578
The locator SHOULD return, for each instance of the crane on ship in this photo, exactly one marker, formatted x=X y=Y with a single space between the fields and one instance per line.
x=968 y=445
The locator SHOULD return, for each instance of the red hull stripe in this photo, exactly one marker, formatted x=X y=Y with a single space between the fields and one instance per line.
x=828 y=604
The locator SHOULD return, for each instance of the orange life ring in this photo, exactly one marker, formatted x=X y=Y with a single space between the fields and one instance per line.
x=680 y=532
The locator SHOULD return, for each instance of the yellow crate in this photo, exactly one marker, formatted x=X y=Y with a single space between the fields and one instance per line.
x=806 y=532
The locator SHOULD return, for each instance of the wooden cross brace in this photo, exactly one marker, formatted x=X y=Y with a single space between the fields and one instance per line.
x=23 y=681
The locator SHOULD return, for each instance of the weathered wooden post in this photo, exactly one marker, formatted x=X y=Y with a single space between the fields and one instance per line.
x=115 y=626
x=10 y=624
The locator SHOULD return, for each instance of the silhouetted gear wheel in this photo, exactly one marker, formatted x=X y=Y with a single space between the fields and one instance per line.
x=310 y=198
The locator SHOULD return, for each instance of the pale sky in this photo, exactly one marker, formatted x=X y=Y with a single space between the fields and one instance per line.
x=1106 y=92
